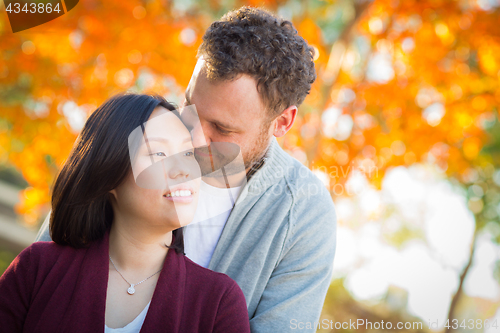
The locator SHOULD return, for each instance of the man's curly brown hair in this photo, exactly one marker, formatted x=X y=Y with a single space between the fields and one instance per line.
x=255 y=42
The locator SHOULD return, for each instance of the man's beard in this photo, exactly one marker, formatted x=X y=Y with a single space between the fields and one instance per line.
x=257 y=152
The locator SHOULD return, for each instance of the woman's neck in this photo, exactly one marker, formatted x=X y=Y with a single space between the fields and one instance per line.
x=137 y=251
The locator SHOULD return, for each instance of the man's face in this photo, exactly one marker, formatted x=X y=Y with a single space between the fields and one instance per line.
x=231 y=111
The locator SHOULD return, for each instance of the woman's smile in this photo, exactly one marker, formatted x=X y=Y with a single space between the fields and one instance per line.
x=180 y=194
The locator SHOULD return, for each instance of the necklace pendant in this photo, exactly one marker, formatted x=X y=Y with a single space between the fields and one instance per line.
x=131 y=290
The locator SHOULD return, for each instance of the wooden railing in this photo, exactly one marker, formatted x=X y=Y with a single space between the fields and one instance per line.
x=13 y=235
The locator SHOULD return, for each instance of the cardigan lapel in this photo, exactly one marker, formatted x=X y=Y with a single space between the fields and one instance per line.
x=167 y=305
x=86 y=311
x=274 y=170
x=271 y=172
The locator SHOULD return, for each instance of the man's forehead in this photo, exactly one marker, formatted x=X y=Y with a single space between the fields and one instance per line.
x=240 y=91
x=197 y=69
x=232 y=104
x=199 y=65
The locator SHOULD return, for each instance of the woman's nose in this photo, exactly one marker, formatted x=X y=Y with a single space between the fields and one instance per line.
x=178 y=167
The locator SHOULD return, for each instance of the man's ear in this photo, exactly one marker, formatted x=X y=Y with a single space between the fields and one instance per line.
x=284 y=121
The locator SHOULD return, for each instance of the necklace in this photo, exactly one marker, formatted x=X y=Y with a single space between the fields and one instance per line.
x=131 y=289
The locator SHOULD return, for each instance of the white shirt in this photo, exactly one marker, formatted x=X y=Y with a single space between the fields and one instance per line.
x=133 y=327
x=201 y=235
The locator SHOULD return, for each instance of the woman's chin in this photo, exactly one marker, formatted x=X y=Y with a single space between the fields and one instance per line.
x=185 y=208
x=184 y=216
x=186 y=219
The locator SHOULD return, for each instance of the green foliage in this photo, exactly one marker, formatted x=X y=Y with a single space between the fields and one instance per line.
x=6 y=258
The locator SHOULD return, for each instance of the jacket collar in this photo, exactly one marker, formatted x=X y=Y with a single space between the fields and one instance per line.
x=274 y=169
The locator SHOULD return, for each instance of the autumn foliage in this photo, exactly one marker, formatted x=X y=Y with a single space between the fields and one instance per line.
x=398 y=82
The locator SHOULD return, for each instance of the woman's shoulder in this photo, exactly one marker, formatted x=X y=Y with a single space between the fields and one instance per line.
x=44 y=254
x=48 y=249
x=203 y=276
x=219 y=296
x=36 y=261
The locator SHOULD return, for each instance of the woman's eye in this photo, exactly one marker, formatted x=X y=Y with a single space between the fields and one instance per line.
x=189 y=153
x=162 y=154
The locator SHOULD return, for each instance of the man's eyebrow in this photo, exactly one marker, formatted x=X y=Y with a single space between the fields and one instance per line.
x=222 y=125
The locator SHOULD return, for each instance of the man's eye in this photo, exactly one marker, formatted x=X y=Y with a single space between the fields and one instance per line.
x=221 y=130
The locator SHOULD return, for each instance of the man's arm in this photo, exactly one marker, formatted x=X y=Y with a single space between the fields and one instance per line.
x=43 y=233
x=296 y=291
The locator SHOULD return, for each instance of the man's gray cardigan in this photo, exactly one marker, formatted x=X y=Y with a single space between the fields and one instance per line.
x=278 y=244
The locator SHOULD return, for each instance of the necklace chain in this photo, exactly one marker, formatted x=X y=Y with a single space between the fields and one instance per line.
x=131 y=289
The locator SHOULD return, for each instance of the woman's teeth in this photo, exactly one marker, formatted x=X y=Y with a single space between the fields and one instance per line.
x=183 y=193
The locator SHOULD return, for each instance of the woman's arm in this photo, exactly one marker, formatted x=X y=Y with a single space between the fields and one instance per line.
x=232 y=315
x=15 y=292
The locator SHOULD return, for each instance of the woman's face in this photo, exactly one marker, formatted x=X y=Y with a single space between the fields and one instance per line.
x=164 y=191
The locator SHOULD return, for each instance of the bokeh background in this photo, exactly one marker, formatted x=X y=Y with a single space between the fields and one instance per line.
x=402 y=126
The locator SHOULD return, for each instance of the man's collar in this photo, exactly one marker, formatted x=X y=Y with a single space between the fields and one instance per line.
x=256 y=166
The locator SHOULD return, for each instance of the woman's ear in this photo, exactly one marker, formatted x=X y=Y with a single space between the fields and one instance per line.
x=112 y=194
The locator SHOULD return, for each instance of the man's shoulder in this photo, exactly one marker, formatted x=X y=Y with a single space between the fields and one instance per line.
x=290 y=193
x=291 y=171
x=310 y=198
x=291 y=183
x=303 y=184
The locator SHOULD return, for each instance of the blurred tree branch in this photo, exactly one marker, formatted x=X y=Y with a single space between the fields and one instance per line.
x=458 y=294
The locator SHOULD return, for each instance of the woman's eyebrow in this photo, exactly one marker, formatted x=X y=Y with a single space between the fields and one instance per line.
x=157 y=139
x=187 y=139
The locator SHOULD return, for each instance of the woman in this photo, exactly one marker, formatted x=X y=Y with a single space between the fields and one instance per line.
x=117 y=252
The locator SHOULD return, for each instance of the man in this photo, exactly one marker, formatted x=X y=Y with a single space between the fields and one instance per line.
x=278 y=242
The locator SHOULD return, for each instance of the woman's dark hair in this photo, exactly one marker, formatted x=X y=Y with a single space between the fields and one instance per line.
x=98 y=163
